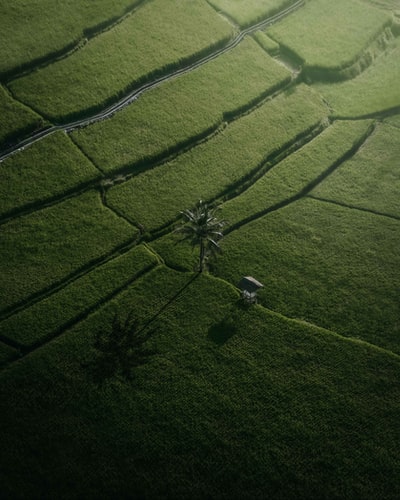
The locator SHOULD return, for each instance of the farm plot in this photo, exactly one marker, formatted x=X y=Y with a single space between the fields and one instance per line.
x=247 y=12
x=217 y=166
x=254 y=391
x=291 y=178
x=325 y=264
x=48 y=169
x=52 y=315
x=198 y=101
x=7 y=353
x=394 y=120
x=335 y=40
x=373 y=91
x=15 y=119
x=371 y=179
x=41 y=249
x=385 y=4
x=159 y=36
x=296 y=173
x=38 y=29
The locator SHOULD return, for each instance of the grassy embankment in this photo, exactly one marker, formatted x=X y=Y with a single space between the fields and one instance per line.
x=335 y=40
x=221 y=164
x=158 y=37
x=374 y=91
x=15 y=119
x=145 y=131
x=44 y=248
x=45 y=319
x=37 y=30
x=48 y=169
x=247 y=12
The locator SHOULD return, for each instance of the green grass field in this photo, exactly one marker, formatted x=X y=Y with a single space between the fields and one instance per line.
x=217 y=166
x=34 y=30
x=46 y=318
x=247 y=12
x=373 y=91
x=285 y=407
x=167 y=33
x=371 y=179
x=15 y=119
x=40 y=249
x=330 y=36
x=325 y=264
x=50 y=168
x=145 y=130
x=124 y=372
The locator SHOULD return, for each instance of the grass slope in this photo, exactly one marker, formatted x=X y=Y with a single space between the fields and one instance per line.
x=371 y=179
x=235 y=403
x=373 y=91
x=292 y=175
x=145 y=130
x=15 y=119
x=160 y=35
x=42 y=248
x=47 y=169
x=329 y=36
x=37 y=29
x=247 y=12
x=50 y=316
x=325 y=264
x=218 y=165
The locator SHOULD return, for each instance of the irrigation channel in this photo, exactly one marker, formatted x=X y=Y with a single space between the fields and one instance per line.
x=135 y=94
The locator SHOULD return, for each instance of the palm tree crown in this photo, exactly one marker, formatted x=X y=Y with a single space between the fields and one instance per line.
x=202 y=227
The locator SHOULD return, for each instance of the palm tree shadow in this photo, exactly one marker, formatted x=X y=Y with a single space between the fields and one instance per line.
x=120 y=350
x=123 y=347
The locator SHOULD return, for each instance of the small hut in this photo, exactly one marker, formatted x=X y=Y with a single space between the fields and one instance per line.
x=249 y=287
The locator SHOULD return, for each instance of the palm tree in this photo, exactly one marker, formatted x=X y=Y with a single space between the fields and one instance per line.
x=202 y=227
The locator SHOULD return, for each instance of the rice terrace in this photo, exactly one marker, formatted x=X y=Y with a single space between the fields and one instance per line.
x=200 y=234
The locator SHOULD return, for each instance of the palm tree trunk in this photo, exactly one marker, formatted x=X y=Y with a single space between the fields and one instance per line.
x=202 y=255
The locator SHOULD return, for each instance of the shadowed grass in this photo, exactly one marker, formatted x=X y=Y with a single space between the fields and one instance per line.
x=332 y=266
x=43 y=248
x=277 y=406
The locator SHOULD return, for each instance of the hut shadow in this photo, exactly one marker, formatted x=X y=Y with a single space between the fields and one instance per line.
x=224 y=330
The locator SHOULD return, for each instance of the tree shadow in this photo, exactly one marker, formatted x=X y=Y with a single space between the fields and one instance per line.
x=120 y=350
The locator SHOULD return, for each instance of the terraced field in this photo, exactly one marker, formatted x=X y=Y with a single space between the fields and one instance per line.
x=126 y=373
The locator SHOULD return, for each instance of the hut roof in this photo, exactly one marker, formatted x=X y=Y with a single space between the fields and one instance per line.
x=249 y=284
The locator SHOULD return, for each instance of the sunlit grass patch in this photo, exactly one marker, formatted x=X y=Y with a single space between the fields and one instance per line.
x=36 y=29
x=246 y=12
x=371 y=179
x=40 y=249
x=146 y=129
x=292 y=175
x=160 y=35
x=47 y=169
x=331 y=36
x=155 y=197
x=373 y=91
